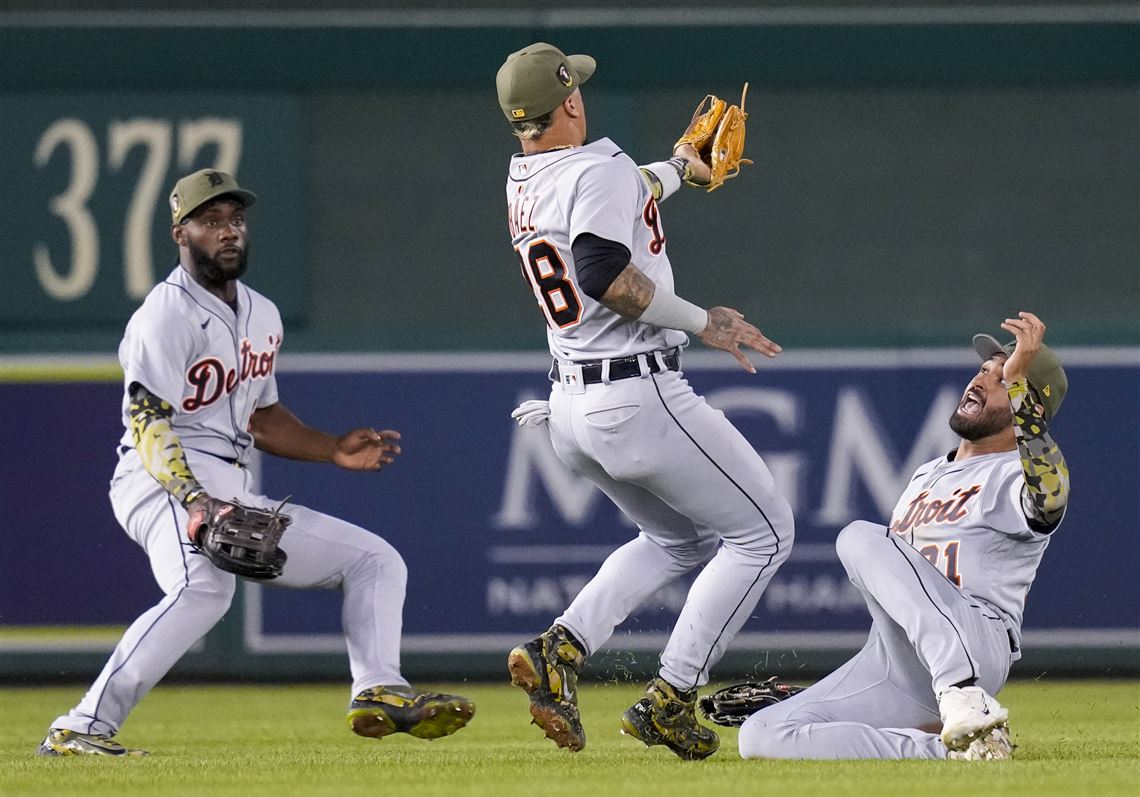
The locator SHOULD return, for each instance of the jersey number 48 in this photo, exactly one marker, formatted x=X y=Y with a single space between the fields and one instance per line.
x=545 y=271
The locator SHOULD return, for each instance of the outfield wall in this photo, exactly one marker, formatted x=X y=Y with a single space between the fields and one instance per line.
x=918 y=172
x=498 y=536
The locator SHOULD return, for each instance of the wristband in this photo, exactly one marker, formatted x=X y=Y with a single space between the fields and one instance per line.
x=664 y=177
x=667 y=309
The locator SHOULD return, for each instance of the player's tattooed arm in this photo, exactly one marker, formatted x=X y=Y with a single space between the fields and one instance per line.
x=159 y=447
x=630 y=293
x=1046 y=473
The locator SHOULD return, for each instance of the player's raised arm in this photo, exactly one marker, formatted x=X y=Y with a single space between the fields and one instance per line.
x=710 y=151
x=278 y=431
x=1046 y=491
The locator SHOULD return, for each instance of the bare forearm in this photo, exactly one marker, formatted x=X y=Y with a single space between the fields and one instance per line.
x=279 y=432
x=1046 y=472
x=630 y=293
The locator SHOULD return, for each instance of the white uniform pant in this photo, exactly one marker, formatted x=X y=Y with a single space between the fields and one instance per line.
x=322 y=552
x=696 y=489
x=927 y=634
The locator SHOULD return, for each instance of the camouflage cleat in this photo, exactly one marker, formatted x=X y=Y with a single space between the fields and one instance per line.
x=547 y=668
x=667 y=716
x=61 y=742
x=382 y=711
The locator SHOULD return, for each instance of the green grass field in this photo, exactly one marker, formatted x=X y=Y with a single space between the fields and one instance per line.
x=1074 y=738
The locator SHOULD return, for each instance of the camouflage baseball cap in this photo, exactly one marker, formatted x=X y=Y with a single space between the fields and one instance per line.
x=535 y=80
x=195 y=190
x=1046 y=376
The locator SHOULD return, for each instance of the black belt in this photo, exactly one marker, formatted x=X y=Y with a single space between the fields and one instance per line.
x=124 y=449
x=621 y=368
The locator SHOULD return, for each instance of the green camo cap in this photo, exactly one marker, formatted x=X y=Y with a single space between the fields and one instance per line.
x=195 y=190
x=535 y=80
x=1046 y=376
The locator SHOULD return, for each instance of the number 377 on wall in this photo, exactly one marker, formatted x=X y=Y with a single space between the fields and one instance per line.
x=157 y=137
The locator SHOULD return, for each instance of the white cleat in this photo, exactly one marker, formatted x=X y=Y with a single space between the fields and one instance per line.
x=968 y=713
x=994 y=746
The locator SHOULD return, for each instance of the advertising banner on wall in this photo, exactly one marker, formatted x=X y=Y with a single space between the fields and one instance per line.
x=499 y=536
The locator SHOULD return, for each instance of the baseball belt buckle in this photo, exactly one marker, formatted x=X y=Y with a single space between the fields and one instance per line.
x=570 y=377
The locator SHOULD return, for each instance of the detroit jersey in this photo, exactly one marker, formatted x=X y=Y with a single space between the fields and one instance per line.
x=967 y=519
x=552 y=198
x=215 y=367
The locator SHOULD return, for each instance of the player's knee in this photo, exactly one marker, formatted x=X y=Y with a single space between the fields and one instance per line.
x=383 y=561
x=858 y=540
x=770 y=540
x=761 y=737
x=210 y=598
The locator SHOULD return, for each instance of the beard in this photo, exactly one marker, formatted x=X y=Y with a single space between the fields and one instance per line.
x=985 y=424
x=215 y=271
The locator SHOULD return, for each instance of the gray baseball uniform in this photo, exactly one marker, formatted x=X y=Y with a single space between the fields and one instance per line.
x=945 y=585
x=623 y=415
x=216 y=366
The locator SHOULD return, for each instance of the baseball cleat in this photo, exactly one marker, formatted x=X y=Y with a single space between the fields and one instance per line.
x=62 y=742
x=547 y=668
x=968 y=713
x=667 y=716
x=382 y=711
x=994 y=746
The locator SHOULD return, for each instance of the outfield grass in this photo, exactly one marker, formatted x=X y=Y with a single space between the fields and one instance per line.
x=1074 y=738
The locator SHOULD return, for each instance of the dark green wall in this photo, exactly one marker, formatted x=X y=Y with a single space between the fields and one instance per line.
x=912 y=182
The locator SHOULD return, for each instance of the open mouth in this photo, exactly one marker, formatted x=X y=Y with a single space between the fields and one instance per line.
x=971 y=403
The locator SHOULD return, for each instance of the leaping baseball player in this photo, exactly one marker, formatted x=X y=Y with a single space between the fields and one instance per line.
x=585 y=224
x=945 y=582
x=200 y=394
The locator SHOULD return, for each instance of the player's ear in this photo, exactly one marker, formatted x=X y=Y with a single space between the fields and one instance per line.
x=573 y=104
x=178 y=233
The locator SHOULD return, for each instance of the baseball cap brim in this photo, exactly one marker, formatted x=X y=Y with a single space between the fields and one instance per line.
x=583 y=66
x=987 y=346
x=246 y=198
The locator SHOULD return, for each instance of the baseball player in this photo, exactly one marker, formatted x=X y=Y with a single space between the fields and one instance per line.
x=946 y=582
x=587 y=230
x=199 y=358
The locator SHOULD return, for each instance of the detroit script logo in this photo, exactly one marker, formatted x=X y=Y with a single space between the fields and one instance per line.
x=211 y=379
x=923 y=512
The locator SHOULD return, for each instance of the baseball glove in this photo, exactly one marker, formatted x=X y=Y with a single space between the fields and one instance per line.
x=734 y=704
x=237 y=538
x=717 y=133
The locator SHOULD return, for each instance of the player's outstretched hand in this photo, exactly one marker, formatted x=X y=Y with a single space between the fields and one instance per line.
x=1028 y=331
x=367 y=449
x=728 y=331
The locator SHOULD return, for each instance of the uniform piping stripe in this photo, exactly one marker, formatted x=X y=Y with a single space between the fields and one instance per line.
x=185 y=584
x=957 y=632
x=743 y=492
